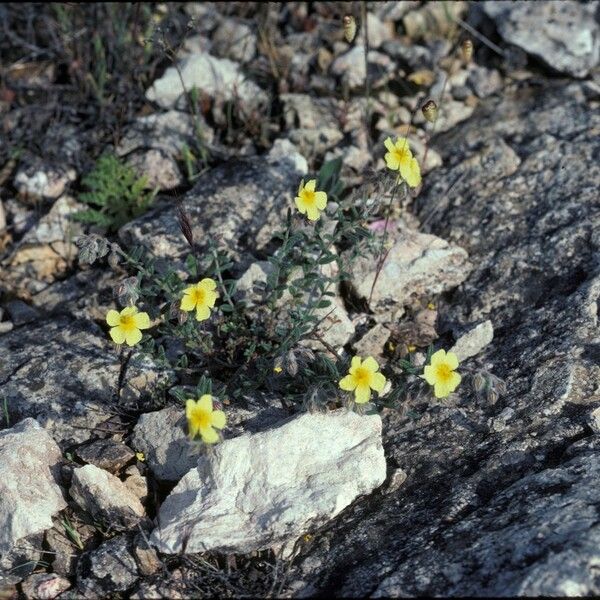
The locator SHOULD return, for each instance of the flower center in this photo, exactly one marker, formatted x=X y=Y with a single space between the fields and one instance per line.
x=127 y=322
x=443 y=372
x=201 y=418
x=199 y=296
x=309 y=197
x=362 y=375
x=402 y=153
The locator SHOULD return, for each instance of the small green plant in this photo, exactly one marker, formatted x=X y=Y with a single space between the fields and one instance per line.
x=116 y=194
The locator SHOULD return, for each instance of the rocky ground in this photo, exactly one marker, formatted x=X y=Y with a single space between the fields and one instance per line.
x=491 y=492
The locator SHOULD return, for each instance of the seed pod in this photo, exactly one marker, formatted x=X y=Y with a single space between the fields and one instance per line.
x=466 y=49
x=430 y=111
x=113 y=260
x=349 y=28
x=479 y=383
x=291 y=363
x=492 y=395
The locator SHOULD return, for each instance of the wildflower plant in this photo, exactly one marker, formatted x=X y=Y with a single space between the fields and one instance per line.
x=272 y=342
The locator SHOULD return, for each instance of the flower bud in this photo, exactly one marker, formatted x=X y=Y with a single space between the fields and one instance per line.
x=349 y=28
x=430 y=111
x=466 y=49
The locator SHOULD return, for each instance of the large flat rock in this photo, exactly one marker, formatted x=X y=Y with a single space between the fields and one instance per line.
x=500 y=498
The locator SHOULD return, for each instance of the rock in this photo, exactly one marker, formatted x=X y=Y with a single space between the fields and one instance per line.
x=373 y=342
x=21 y=313
x=108 y=569
x=105 y=497
x=450 y=114
x=136 y=483
x=411 y=56
x=64 y=373
x=2 y=216
x=20 y=217
x=161 y=436
x=241 y=201
x=44 y=586
x=509 y=510
x=29 y=494
x=153 y=143
x=350 y=67
x=39 y=181
x=484 y=82
x=474 y=341
x=594 y=420
x=5 y=327
x=249 y=495
x=106 y=454
x=283 y=150
x=217 y=77
x=145 y=556
x=45 y=252
x=379 y=32
x=62 y=551
x=433 y=20
x=394 y=11
x=234 y=40
x=417 y=265
x=567 y=33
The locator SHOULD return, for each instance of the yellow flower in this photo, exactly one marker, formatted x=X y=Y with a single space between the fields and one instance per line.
x=362 y=378
x=440 y=373
x=126 y=325
x=309 y=202
x=400 y=158
x=203 y=420
x=201 y=297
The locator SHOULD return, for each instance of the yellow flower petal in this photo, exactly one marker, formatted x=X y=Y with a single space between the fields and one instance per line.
x=402 y=146
x=391 y=161
x=452 y=360
x=202 y=313
x=141 y=320
x=218 y=419
x=301 y=187
x=355 y=363
x=113 y=318
x=411 y=172
x=321 y=200
x=371 y=364
x=133 y=336
x=348 y=383
x=300 y=204
x=188 y=302
x=389 y=144
x=378 y=382
x=207 y=284
x=429 y=374
x=362 y=394
x=117 y=335
x=437 y=357
x=209 y=435
x=205 y=403
x=454 y=381
x=210 y=298
x=310 y=185
x=128 y=311
x=189 y=407
x=312 y=212
x=441 y=390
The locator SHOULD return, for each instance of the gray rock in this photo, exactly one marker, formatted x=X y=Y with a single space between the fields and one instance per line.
x=234 y=40
x=65 y=373
x=249 y=494
x=2 y=216
x=21 y=313
x=394 y=11
x=161 y=436
x=417 y=265
x=136 y=483
x=379 y=31
x=411 y=56
x=39 y=181
x=567 y=34
x=350 y=67
x=108 y=569
x=106 y=454
x=105 y=497
x=44 y=586
x=45 y=253
x=474 y=341
x=29 y=494
x=486 y=512
x=217 y=77
x=241 y=201
x=283 y=150
x=372 y=343
x=484 y=82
